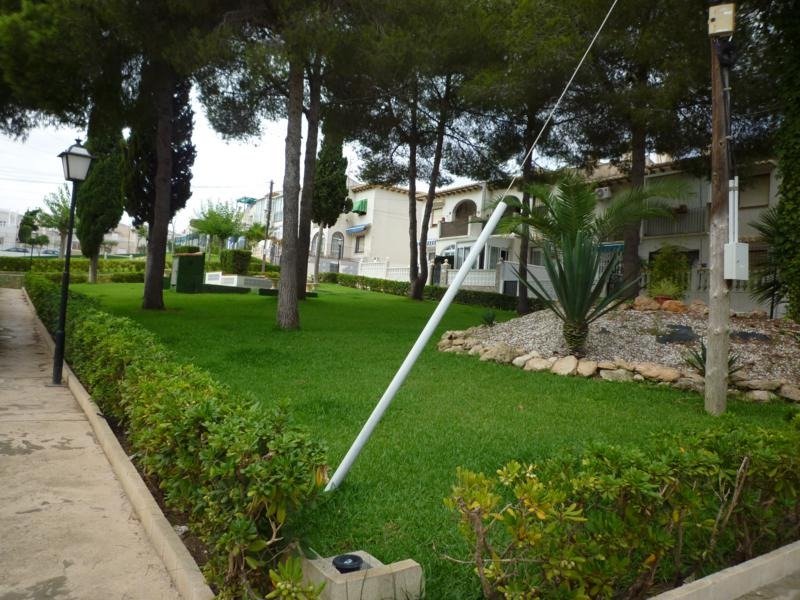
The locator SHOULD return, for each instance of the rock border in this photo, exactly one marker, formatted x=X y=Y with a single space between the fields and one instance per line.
x=465 y=342
x=180 y=565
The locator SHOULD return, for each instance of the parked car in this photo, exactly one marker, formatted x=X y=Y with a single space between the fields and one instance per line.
x=49 y=252
x=17 y=249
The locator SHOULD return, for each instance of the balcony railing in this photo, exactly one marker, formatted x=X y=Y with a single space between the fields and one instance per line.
x=692 y=218
x=473 y=228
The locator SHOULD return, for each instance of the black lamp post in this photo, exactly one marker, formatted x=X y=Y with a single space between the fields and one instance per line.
x=76 y=161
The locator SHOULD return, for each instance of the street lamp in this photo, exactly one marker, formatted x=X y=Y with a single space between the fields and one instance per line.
x=76 y=161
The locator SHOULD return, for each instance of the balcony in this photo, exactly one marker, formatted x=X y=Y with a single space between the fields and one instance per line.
x=448 y=229
x=687 y=218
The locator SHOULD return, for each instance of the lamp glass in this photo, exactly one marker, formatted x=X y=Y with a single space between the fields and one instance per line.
x=76 y=161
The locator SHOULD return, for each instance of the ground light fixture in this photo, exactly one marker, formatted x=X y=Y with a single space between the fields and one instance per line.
x=76 y=161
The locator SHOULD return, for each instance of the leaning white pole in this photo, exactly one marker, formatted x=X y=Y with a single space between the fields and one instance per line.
x=416 y=350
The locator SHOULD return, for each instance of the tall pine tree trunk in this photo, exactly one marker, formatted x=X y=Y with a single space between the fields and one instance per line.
x=93 y=261
x=309 y=171
x=418 y=285
x=630 y=254
x=413 y=264
x=316 y=258
x=288 y=316
x=523 y=304
x=159 y=228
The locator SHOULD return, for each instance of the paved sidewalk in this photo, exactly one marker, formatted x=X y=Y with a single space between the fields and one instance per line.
x=67 y=530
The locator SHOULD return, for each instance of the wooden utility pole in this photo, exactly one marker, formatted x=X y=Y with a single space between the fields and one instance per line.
x=718 y=340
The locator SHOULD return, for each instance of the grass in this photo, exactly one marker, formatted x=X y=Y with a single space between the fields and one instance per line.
x=452 y=411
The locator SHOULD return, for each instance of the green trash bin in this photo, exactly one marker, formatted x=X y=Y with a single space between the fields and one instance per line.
x=188 y=272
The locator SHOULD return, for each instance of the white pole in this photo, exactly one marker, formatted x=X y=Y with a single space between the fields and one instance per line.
x=416 y=350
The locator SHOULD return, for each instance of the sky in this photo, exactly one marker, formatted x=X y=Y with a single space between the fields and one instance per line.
x=223 y=171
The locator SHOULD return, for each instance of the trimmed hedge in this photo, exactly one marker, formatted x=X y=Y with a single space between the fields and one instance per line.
x=431 y=292
x=186 y=249
x=253 y=268
x=121 y=277
x=618 y=522
x=235 y=261
x=238 y=471
x=78 y=265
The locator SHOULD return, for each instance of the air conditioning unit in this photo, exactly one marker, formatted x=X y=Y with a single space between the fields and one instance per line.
x=603 y=193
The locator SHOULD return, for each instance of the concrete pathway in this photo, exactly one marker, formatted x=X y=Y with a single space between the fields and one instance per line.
x=787 y=588
x=67 y=530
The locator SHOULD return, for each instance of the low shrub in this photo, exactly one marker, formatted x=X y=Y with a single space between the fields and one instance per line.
x=186 y=249
x=431 y=292
x=77 y=265
x=239 y=471
x=617 y=522
x=235 y=261
x=132 y=277
x=670 y=264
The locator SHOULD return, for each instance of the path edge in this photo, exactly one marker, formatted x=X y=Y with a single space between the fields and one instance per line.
x=180 y=565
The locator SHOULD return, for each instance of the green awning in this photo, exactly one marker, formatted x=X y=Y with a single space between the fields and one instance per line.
x=360 y=207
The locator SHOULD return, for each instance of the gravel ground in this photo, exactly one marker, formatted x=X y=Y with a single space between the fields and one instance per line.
x=768 y=349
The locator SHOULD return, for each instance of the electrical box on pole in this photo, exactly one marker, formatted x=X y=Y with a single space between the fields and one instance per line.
x=736 y=263
x=721 y=19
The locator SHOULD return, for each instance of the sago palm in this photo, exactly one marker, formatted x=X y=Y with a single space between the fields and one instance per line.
x=574 y=269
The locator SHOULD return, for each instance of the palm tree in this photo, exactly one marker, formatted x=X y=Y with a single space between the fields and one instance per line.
x=569 y=227
x=766 y=284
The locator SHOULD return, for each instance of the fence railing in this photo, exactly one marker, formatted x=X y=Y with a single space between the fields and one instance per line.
x=691 y=218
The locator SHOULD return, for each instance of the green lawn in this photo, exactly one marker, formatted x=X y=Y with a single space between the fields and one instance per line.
x=452 y=410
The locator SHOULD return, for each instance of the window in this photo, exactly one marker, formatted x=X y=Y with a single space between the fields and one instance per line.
x=337 y=244
x=360 y=243
x=314 y=244
x=464 y=211
x=535 y=256
x=461 y=255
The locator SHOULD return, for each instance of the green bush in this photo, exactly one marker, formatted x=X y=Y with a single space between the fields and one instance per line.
x=186 y=249
x=77 y=265
x=670 y=264
x=238 y=471
x=130 y=277
x=235 y=261
x=253 y=268
x=73 y=277
x=432 y=292
x=616 y=522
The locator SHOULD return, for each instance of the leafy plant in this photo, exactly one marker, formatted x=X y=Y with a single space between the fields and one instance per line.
x=670 y=264
x=766 y=282
x=665 y=288
x=488 y=318
x=287 y=581
x=696 y=359
x=235 y=261
x=574 y=270
x=616 y=522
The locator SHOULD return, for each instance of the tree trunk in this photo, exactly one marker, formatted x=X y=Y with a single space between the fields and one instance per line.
x=159 y=228
x=413 y=263
x=418 y=285
x=630 y=233
x=288 y=316
x=719 y=304
x=93 y=260
x=523 y=304
x=62 y=245
x=316 y=258
x=309 y=171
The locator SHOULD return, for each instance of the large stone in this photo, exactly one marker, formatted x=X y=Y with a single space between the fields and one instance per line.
x=769 y=385
x=500 y=353
x=587 y=368
x=677 y=334
x=566 y=365
x=470 y=342
x=616 y=375
x=444 y=344
x=538 y=364
x=658 y=372
x=645 y=303
x=521 y=360
x=476 y=350
x=685 y=383
x=760 y=395
x=697 y=308
x=674 y=306
x=607 y=365
x=623 y=364
x=790 y=392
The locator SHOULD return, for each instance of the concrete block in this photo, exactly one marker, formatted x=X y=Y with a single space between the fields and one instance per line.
x=401 y=580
